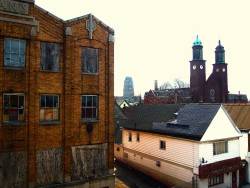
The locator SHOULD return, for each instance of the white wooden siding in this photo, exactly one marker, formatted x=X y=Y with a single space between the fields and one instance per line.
x=221 y=127
x=178 y=172
x=178 y=151
x=206 y=151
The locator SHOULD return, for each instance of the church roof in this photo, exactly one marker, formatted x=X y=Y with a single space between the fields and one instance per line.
x=197 y=41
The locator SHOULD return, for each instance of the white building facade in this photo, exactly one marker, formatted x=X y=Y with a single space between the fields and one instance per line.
x=177 y=157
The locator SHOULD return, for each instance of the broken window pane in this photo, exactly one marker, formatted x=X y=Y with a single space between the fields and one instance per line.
x=14 y=52
x=49 y=108
x=50 y=53
x=89 y=60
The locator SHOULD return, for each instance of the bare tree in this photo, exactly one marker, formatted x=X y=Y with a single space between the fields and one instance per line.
x=177 y=83
x=166 y=85
x=180 y=84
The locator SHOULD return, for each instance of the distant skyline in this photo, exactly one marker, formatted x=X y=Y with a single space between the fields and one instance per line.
x=153 y=39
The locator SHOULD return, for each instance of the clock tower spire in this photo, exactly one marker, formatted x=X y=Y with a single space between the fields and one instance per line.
x=197 y=72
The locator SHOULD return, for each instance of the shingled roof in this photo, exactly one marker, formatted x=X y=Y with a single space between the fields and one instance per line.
x=143 y=116
x=240 y=114
x=192 y=121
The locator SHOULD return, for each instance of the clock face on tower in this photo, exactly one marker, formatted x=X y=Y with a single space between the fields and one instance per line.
x=224 y=70
x=201 y=66
x=194 y=67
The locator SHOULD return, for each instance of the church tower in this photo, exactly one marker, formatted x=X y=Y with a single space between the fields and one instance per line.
x=220 y=70
x=197 y=72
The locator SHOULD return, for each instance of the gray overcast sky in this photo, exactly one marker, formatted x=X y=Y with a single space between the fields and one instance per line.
x=154 y=37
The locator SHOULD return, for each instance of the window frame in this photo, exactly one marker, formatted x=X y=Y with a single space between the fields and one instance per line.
x=215 y=180
x=138 y=137
x=130 y=136
x=5 y=53
x=40 y=107
x=59 y=57
x=164 y=145
x=83 y=63
x=215 y=152
x=4 y=108
x=92 y=107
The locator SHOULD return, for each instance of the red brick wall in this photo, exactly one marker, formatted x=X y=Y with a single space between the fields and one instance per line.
x=69 y=84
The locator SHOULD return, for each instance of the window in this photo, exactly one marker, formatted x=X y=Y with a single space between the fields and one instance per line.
x=162 y=145
x=130 y=137
x=220 y=147
x=138 y=137
x=158 y=163
x=13 y=107
x=125 y=155
x=89 y=60
x=50 y=53
x=14 y=52
x=89 y=107
x=216 y=180
x=49 y=108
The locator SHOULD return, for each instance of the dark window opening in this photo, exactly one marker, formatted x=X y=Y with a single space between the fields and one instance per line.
x=130 y=137
x=162 y=145
x=13 y=107
x=90 y=60
x=50 y=54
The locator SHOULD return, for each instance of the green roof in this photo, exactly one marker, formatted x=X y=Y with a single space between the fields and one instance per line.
x=197 y=41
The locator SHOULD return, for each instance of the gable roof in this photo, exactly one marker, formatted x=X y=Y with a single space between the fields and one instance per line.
x=240 y=114
x=192 y=121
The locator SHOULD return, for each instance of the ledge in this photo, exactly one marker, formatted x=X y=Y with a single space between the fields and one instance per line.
x=14 y=123
x=50 y=123
x=89 y=120
x=14 y=68
x=91 y=74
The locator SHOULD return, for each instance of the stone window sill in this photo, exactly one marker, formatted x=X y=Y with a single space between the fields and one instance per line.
x=50 y=123
x=14 y=123
x=14 y=68
x=89 y=120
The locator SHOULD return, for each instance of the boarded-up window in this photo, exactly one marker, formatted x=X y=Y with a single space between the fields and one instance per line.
x=89 y=60
x=50 y=53
x=49 y=108
x=14 y=52
x=13 y=107
x=89 y=161
x=220 y=147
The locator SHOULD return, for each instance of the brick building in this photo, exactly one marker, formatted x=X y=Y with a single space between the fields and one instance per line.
x=56 y=84
x=213 y=89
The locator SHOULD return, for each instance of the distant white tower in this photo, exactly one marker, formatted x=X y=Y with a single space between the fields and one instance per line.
x=128 y=89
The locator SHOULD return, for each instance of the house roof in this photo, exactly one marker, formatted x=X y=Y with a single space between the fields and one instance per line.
x=240 y=114
x=192 y=121
x=143 y=116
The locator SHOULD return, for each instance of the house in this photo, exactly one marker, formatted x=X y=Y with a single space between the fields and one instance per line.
x=56 y=96
x=240 y=114
x=196 y=145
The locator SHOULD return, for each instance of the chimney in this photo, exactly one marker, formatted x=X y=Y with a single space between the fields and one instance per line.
x=156 y=85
